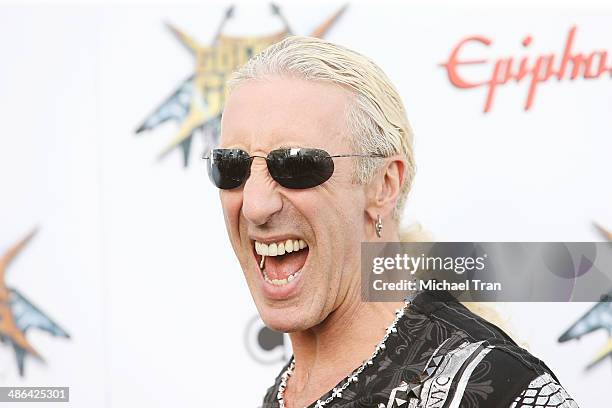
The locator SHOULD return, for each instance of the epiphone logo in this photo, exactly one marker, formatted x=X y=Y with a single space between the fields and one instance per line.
x=533 y=70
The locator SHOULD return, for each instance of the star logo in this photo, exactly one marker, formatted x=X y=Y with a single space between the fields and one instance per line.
x=196 y=105
x=18 y=314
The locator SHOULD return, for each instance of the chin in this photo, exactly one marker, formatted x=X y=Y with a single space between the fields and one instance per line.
x=281 y=321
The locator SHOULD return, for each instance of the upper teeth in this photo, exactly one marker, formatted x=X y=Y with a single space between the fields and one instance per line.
x=279 y=248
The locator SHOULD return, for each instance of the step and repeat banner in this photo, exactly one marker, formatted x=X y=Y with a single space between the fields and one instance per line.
x=117 y=278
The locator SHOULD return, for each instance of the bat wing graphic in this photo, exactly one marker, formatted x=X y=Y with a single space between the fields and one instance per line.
x=599 y=317
x=27 y=315
x=20 y=356
x=175 y=107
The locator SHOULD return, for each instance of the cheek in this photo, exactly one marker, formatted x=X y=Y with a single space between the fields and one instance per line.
x=346 y=203
x=231 y=202
x=336 y=215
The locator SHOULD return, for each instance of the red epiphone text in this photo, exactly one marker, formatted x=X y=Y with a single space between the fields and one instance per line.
x=534 y=70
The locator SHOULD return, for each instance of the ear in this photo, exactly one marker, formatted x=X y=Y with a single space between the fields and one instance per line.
x=384 y=189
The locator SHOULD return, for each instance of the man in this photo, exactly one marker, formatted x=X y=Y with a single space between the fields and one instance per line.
x=315 y=158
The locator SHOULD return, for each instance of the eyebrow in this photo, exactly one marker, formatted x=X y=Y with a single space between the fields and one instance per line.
x=286 y=146
x=282 y=146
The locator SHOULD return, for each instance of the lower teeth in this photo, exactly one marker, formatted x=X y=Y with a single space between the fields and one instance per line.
x=280 y=282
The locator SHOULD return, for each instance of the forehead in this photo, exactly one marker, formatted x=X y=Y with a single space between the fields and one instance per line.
x=265 y=114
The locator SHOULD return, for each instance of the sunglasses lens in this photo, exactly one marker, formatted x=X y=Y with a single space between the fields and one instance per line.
x=300 y=168
x=228 y=168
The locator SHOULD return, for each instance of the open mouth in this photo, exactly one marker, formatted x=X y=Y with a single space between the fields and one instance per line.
x=281 y=262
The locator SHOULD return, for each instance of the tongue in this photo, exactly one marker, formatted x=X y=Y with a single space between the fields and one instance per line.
x=280 y=267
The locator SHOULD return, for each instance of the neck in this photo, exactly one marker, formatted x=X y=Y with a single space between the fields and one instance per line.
x=329 y=352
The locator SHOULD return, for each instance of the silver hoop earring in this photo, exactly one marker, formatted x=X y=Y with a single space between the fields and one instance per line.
x=378 y=226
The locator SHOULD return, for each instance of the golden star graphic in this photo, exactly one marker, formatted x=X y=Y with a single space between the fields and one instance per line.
x=17 y=314
x=198 y=102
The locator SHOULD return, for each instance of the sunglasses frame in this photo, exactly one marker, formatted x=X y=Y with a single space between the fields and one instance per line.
x=269 y=160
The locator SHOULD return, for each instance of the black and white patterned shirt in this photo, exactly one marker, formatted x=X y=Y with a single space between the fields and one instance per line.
x=444 y=356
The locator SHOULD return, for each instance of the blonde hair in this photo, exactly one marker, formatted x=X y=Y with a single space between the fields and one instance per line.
x=376 y=118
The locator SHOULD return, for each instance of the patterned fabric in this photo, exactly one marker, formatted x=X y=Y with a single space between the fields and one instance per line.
x=544 y=392
x=444 y=356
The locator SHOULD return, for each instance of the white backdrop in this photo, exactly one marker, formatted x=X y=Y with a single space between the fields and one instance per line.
x=132 y=257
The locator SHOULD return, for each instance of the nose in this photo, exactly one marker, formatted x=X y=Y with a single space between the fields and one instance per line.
x=261 y=198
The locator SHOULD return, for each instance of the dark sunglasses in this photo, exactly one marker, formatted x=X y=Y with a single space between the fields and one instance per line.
x=296 y=168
